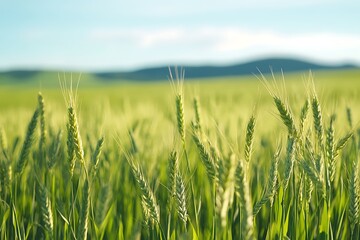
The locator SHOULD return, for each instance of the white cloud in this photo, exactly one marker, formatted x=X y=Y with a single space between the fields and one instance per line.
x=177 y=8
x=140 y=37
x=232 y=41
x=104 y=48
x=235 y=39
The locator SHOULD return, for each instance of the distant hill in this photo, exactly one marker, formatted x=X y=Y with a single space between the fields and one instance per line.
x=264 y=66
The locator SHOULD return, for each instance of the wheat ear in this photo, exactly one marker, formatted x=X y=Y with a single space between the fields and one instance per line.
x=4 y=177
x=172 y=172
x=41 y=106
x=25 y=150
x=96 y=156
x=354 y=204
x=74 y=130
x=149 y=204
x=314 y=176
x=180 y=116
x=181 y=199
x=205 y=157
x=342 y=143
x=197 y=115
x=303 y=116
x=286 y=116
x=249 y=139
x=349 y=117
x=318 y=125
x=3 y=140
x=330 y=148
x=70 y=149
x=54 y=151
x=46 y=212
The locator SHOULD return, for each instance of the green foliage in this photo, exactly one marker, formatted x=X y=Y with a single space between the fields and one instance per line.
x=222 y=183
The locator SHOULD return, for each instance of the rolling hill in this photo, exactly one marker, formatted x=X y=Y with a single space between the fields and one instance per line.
x=264 y=66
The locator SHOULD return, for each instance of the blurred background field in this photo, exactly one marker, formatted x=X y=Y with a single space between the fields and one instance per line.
x=226 y=97
x=142 y=115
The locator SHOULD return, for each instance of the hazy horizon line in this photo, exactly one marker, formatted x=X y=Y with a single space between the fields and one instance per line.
x=182 y=63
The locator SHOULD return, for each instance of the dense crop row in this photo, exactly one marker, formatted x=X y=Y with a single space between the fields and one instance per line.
x=68 y=183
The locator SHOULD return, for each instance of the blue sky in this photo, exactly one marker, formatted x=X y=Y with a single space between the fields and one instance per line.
x=100 y=35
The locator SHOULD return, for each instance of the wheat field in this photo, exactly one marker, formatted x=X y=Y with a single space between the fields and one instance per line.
x=232 y=159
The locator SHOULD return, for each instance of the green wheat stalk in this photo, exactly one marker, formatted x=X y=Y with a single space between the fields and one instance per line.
x=173 y=172
x=54 y=151
x=342 y=143
x=197 y=115
x=95 y=158
x=330 y=148
x=46 y=212
x=271 y=186
x=289 y=161
x=249 y=139
x=205 y=157
x=180 y=116
x=303 y=116
x=149 y=203
x=3 y=140
x=180 y=197
x=317 y=116
x=75 y=134
x=354 y=197
x=29 y=138
x=84 y=212
x=243 y=192
x=286 y=116
x=41 y=106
